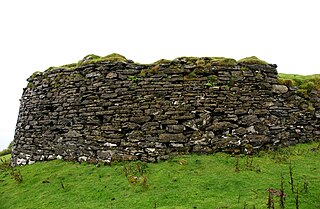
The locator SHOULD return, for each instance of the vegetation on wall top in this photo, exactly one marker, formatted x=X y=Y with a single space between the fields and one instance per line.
x=252 y=60
x=192 y=61
x=178 y=65
x=306 y=83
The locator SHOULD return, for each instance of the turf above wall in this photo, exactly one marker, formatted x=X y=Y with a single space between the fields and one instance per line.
x=115 y=109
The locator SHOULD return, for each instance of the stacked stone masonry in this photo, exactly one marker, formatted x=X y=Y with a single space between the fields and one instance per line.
x=121 y=110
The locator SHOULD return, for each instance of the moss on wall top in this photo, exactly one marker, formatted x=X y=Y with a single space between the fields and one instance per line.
x=305 y=83
x=252 y=60
x=175 y=66
x=201 y=62
x=194 y=64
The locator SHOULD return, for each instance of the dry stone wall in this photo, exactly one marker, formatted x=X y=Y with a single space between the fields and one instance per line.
x=120 y=110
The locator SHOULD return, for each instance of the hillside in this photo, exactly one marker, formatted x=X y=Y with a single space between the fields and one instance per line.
x=208 y=181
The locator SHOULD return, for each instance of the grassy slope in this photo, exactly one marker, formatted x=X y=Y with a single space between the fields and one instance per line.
x=5 y=157
x=308 y=82
x=183 y=182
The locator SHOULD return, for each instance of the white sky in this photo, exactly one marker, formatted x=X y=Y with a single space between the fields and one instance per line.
x=37 y=34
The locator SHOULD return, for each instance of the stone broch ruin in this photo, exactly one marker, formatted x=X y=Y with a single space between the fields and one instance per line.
x=110 y=108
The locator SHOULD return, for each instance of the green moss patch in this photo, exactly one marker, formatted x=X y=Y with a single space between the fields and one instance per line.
x=208 y=61
x=91 y=58
x=252 y=60
x=162 y=62
x=222 y=61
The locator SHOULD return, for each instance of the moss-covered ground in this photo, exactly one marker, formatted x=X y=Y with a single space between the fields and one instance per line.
x=194 y=181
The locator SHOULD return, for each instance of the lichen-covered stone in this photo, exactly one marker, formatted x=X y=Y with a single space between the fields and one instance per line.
x=280 y=89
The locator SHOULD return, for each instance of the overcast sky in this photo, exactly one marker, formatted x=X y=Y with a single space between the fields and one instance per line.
x=37 y=34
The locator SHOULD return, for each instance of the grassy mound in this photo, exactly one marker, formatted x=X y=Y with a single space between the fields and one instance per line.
x=306 y=82
x=207 y=181
x=252 y=60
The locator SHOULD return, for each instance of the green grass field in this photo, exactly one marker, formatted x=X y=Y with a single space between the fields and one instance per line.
x=193 y=181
